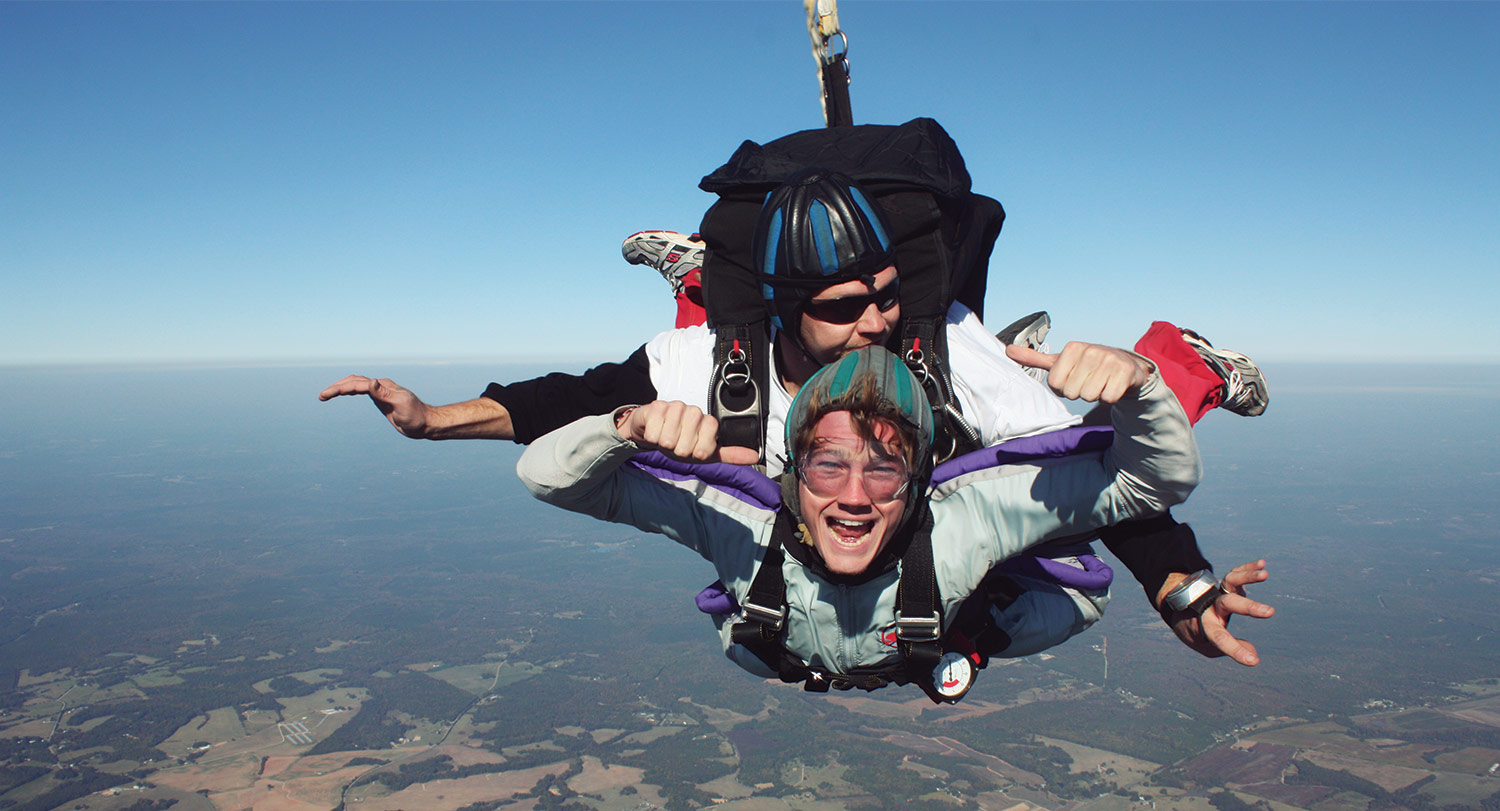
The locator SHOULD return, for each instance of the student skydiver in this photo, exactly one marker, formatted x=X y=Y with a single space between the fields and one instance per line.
x=861 y=574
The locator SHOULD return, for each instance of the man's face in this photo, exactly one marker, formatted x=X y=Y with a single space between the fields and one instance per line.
x=827 y=340
x=853 y=518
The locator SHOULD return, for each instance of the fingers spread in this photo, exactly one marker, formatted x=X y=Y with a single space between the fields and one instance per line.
x=1236 y=649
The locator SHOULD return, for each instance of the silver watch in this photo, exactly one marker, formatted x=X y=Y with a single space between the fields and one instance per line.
x=1193 y=595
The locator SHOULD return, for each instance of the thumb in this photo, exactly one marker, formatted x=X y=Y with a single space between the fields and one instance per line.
x=1026 y=356
x=737 y=455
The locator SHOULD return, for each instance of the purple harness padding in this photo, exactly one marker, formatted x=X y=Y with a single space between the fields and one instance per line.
x=1095 y=573
x=753 y=487
x=1062 y=442
x=744 y=483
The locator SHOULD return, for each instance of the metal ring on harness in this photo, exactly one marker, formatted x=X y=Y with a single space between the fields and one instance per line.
x=829 y=54
x=735 y=379
x=917 y=362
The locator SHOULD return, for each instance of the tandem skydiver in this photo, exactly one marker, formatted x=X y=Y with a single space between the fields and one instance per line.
x=994 y=393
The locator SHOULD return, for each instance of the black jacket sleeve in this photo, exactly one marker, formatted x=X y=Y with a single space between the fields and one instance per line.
x=543 y=404
x=1151 y=548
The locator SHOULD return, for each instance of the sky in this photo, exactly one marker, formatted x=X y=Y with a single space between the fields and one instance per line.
x=366 y=183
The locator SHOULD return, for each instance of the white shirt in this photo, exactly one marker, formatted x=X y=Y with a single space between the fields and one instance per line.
x=998 y=398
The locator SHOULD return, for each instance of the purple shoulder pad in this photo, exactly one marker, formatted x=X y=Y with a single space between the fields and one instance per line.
x=1062 y=442
x=745 y=483
x=1095 y=573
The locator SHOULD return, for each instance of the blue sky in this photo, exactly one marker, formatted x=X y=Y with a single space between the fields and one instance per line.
x=367 y=183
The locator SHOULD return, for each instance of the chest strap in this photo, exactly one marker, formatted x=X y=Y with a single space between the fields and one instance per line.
x=762 y=629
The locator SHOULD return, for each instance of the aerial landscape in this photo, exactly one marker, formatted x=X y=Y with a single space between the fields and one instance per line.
x=275 y=605
x=219 y=593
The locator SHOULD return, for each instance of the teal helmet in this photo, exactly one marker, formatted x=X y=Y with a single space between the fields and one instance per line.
x=873 y=381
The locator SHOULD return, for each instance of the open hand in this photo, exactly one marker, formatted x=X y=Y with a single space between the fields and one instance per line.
x=1209 y=634
x=1093 y=373
x=405 y=411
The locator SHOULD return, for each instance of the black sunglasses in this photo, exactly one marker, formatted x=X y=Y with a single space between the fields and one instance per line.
x=847 y=310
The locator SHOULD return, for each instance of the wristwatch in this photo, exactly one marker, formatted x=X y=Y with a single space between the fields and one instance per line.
x=1192 y=596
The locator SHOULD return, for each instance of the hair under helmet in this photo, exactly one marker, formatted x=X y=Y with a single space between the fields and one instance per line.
x=817 y=229
x=841 y=384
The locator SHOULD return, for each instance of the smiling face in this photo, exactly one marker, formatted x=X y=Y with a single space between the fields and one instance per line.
x=856 y=514
x=827 y=341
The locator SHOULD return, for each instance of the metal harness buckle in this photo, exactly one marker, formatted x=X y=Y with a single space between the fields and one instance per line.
x=918 y=629
x=773 y=617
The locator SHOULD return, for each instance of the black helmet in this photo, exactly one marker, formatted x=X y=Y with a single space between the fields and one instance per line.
x=815 y=230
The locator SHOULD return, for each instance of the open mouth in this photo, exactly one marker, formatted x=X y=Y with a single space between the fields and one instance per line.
x=850 y=533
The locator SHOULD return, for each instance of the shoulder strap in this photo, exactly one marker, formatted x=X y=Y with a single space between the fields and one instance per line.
x=919 y=620
x=924 y=347
x=736 y=391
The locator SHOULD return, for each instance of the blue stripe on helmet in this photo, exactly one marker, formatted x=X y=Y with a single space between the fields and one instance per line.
x=864 y=205
x=773 y=244
x=822 y=234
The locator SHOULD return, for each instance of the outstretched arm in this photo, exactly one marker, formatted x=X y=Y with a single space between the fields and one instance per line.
x=480 y=418
x=999 y=509
x=520 y=411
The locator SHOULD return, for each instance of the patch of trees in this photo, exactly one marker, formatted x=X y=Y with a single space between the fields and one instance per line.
x=149 y=805
x=552 y=790
x=434 y=768
x=763 y=746
x=12 y=776
x=422 y=696
x=81 y=783
x=679 y=762
x=529 y=711
x=1055 y=766
x=292 y=687
x=370 y=728
x=1311 y=774
x=412 y=693
x=1229 y=801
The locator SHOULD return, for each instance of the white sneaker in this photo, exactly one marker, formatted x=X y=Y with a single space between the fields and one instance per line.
x=1031 y=332
x=675 y=256
x=1245 y=391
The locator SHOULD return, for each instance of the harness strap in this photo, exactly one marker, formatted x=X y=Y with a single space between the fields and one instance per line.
x=735 y=395
x=833 y=66
x=919 y=622
x=924 y=347
x=762 y=631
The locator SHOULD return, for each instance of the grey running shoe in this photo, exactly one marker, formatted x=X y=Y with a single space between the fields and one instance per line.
x=675 y=256
x=1031 y=332
x=1245 y=390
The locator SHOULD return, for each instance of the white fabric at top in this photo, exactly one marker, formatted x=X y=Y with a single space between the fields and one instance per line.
x=998 y=398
